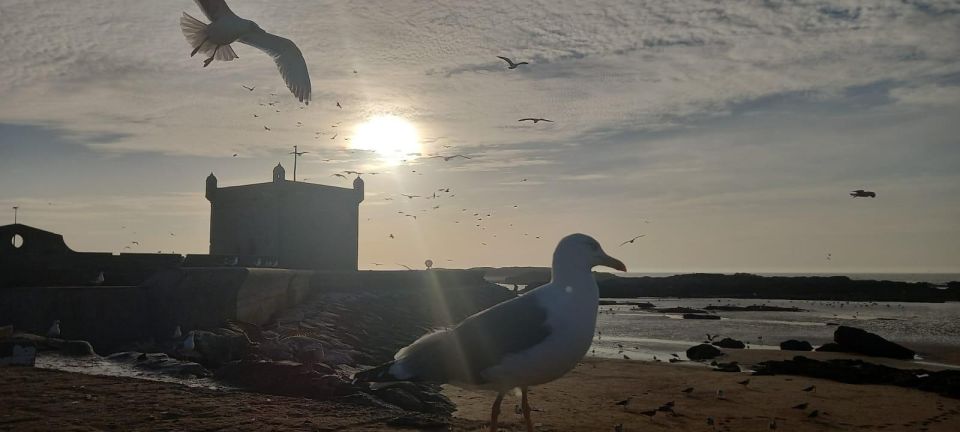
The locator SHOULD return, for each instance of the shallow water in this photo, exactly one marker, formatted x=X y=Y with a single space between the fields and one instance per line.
x=648 y=334
x=95 y=365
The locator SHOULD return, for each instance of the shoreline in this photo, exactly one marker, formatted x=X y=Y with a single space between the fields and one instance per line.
x=584 y=399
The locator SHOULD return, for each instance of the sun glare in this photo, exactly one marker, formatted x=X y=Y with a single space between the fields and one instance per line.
x=393 y=138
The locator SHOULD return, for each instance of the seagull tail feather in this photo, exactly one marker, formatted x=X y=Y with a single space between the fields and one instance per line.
x=196 y=33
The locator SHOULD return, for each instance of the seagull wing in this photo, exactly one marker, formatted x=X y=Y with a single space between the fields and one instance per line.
x=214 y=9
x=289 y=60
x=510 y=62
x=528 y=119
x=478 y=343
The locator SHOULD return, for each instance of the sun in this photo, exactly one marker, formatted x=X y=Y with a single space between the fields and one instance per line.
x=393 y=138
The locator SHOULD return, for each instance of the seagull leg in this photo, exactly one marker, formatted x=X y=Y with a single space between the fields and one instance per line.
x=495 y=412
x=212 y=56
x=526 y=409
x=195 y=50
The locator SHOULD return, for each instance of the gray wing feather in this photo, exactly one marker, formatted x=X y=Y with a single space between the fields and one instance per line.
x=479 y=342
x=289 y=59
x=214 y=9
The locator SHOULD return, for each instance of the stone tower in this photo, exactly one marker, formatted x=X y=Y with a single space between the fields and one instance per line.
x=295 y=224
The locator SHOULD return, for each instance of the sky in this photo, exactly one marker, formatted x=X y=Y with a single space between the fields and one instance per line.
x=729 y=134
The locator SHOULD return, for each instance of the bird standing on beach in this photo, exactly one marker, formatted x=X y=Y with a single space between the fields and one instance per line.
x=528 y=340
x=54 y=331
x=225 y=28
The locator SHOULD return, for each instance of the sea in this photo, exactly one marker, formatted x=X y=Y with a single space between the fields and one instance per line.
x=649 y=335
x=934 y=278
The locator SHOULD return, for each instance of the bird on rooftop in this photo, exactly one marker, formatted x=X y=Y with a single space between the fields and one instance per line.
x=54 y=331
x=535 y=120
x=511 y=63
x=226 y=27
x=528 y=340
x=633 y=239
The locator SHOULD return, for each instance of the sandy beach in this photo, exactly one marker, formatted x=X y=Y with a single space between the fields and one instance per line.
x=37 y=399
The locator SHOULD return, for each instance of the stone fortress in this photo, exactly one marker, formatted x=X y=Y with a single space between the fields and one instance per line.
x=290 y=224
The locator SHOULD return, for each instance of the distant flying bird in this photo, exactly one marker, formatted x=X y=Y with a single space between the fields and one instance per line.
x=135 y=242
x=334 y=136
x=447 y=158
x=411 y=196
x=860 y=193
x=54 y=331
x=339 y=175
x=535 y=120
x=338 y=105
x=633 y=239
x=266 y=128
x=391 y=236
x=248 y=88
x=214 y=39
x=511 y=63
x=234 y=155
x=514 y=343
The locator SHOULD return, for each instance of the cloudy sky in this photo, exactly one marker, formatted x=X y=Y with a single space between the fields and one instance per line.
x=729 y=133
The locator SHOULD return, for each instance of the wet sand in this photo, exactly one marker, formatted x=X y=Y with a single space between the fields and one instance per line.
x=585 y=400
x=35 y=400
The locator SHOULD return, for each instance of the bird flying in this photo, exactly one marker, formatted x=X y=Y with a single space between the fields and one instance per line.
x=248 y=88
x=633 y=239
x=535 y=120
x=526 y=341
x=511 y=64
x=860 y=193
x=225 y=27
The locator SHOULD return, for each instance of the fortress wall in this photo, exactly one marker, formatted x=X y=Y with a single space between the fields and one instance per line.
x=104 y=316
x=196 y=298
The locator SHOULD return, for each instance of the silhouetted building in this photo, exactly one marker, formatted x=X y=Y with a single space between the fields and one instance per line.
x=300 y=225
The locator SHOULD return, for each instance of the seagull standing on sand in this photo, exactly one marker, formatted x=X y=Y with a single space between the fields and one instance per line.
x=214 y=39
x=54 y=331
x=528 y=340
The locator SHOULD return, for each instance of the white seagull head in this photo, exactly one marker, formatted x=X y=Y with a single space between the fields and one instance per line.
x=582 y=252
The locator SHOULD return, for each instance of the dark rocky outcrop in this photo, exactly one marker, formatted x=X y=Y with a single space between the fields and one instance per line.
x=703 y=352
x=680 y=310
x=743 y=285
x=753 y=308
x=830 y=347
x=286 y=378
x=730 y=343
x=160 y=363
x=946 y=383
x=726 y=367
x=699 y=316
x=795 y=345
x=639 y=305
x=852 y=339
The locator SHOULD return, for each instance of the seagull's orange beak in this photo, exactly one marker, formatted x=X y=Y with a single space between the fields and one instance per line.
x=613 y=263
